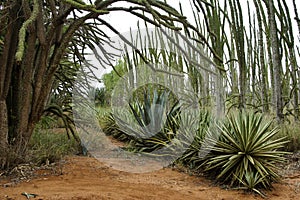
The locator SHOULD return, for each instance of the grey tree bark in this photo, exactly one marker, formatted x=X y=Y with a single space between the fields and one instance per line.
x=276 y=61
x=262 y=63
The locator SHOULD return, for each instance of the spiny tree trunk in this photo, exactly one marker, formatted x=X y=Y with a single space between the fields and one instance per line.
x=215 y=22
x=233 y=70
x=251 y=59
x=261 y=63
x=276 y=61
x=296 y=15
x=238 y=32
x=289 y=39
x=298 y=25
x=269 y=64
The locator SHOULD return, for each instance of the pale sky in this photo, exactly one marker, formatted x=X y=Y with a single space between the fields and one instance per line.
x=124 y=21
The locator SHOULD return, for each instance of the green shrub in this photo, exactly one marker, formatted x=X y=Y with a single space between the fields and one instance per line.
x=50 y=145
x=102 y=111
x=47 y=122
x=244 y=146
x=292 y=132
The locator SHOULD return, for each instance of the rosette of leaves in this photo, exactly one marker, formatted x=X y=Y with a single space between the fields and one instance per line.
x=251 y=181
x=244 y=144
x=155 y=121
x=111 y=128
x=191 y=157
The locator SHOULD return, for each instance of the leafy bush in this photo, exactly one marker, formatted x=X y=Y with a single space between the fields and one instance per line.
x=242 y=147
x=109 y=126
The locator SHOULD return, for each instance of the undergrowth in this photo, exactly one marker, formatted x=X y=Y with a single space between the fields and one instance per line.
x=50 y=145
x=292 y=132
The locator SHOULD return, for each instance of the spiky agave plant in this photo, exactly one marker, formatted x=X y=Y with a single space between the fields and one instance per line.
x=149 y=121
x=110 y=127
x=251 y=181
x=243 y=145
x=155 y=120
x=191 y=156
x=150 y=112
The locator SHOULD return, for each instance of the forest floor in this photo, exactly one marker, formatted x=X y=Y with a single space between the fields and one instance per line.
x=78 y=177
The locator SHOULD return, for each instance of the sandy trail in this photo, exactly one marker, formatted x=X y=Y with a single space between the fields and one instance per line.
x=87 y=178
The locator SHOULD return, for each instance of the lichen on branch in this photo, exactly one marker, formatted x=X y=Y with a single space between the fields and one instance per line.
x=87 y=7
x=22 y=33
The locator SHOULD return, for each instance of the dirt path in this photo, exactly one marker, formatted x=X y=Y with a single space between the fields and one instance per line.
x=87 y=178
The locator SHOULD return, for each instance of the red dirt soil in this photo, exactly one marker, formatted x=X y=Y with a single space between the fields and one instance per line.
x=87 y=178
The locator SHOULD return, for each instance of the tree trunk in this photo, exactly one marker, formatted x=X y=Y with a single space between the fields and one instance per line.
x=6 y=67
x=289 y=39
x=276 y=60
x=238 y=32
x=3 y=134
x=261 y=63
x=298 y=71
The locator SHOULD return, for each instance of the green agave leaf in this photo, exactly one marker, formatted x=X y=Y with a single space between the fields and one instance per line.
x=222 y=148
x=249 y=157
x=245 y=151
x=214 y=165
x=229 y=166
x=261 y=168
x=157 y=141
x=228 y=136
x=264 y=136
x=271 y=145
